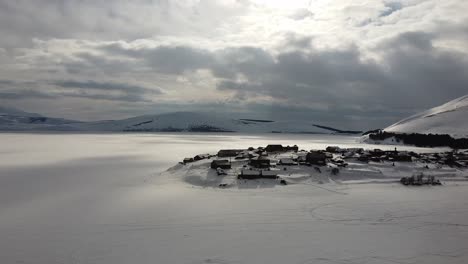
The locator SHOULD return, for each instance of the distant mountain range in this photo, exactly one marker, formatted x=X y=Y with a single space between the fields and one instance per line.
x=17 y=120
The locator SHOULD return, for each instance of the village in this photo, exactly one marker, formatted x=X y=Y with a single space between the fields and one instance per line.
x=290 y=164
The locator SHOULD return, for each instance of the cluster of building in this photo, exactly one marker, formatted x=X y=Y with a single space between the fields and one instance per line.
x=454 y=158
x=197 y=158
x=375 y=155
x=259 y=161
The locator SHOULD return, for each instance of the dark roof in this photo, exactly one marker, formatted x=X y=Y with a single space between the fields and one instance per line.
x=229 y=152
x=274 y=147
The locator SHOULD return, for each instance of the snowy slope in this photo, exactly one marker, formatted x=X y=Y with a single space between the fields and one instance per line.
x=198 y=122
x=450 y=118
x=16 y=120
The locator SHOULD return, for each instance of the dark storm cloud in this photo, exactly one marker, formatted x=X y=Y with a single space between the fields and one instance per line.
x=422 y=73
x=411 y=74
x=14 y=90
x=25 y=94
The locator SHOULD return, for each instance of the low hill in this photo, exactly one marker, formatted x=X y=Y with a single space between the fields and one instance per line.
x=199 y=122
x=450 y=118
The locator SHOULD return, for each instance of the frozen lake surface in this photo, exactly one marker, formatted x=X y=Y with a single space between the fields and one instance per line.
x=104 y=198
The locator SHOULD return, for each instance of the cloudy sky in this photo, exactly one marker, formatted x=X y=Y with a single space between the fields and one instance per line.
x=350 y=63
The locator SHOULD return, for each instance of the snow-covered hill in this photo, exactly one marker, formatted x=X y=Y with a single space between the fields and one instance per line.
x=199 y=122
x=16 y=120
x=450 y=118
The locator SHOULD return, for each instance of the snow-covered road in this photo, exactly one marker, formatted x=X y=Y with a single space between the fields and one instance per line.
x=83 y=198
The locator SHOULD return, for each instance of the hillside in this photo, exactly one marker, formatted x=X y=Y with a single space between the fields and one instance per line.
x=199 y=122
x=16 y=120
x=449 y=118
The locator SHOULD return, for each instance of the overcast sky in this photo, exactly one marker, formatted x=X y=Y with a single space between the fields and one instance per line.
x=356 y=64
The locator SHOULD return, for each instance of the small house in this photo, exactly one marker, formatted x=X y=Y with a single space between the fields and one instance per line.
x=274 y=148
x=294 y=148
x=249 y=174
x=402 y=157
x=364 y=158
x=287 y=162
x=188 y=160
x=316 y=157
x=223 y=164
x=333 y=149
x=201 y=157
x=257 y=174
x=260 y=162
x=377 y=152
x=229 y=152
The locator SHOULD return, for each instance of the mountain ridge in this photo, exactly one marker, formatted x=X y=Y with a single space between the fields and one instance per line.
x=17 y=120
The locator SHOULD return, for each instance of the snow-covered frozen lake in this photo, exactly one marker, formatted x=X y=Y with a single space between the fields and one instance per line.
x=101 y=198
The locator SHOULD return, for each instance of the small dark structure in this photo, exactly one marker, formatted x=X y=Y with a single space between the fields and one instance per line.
x=201 y=157
x=257 y=174
x=294 y=148
x=316 y=157
x=261 y=162
x=229 y=152
x=333 y=149
x=274 y=148
x=287 y=162
x=355 y=150
x=281 y=148
x=418 y=180
x=223 y=164
x=377 y=152
x=364 y=158
x=402 y=157
x=187 y=160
